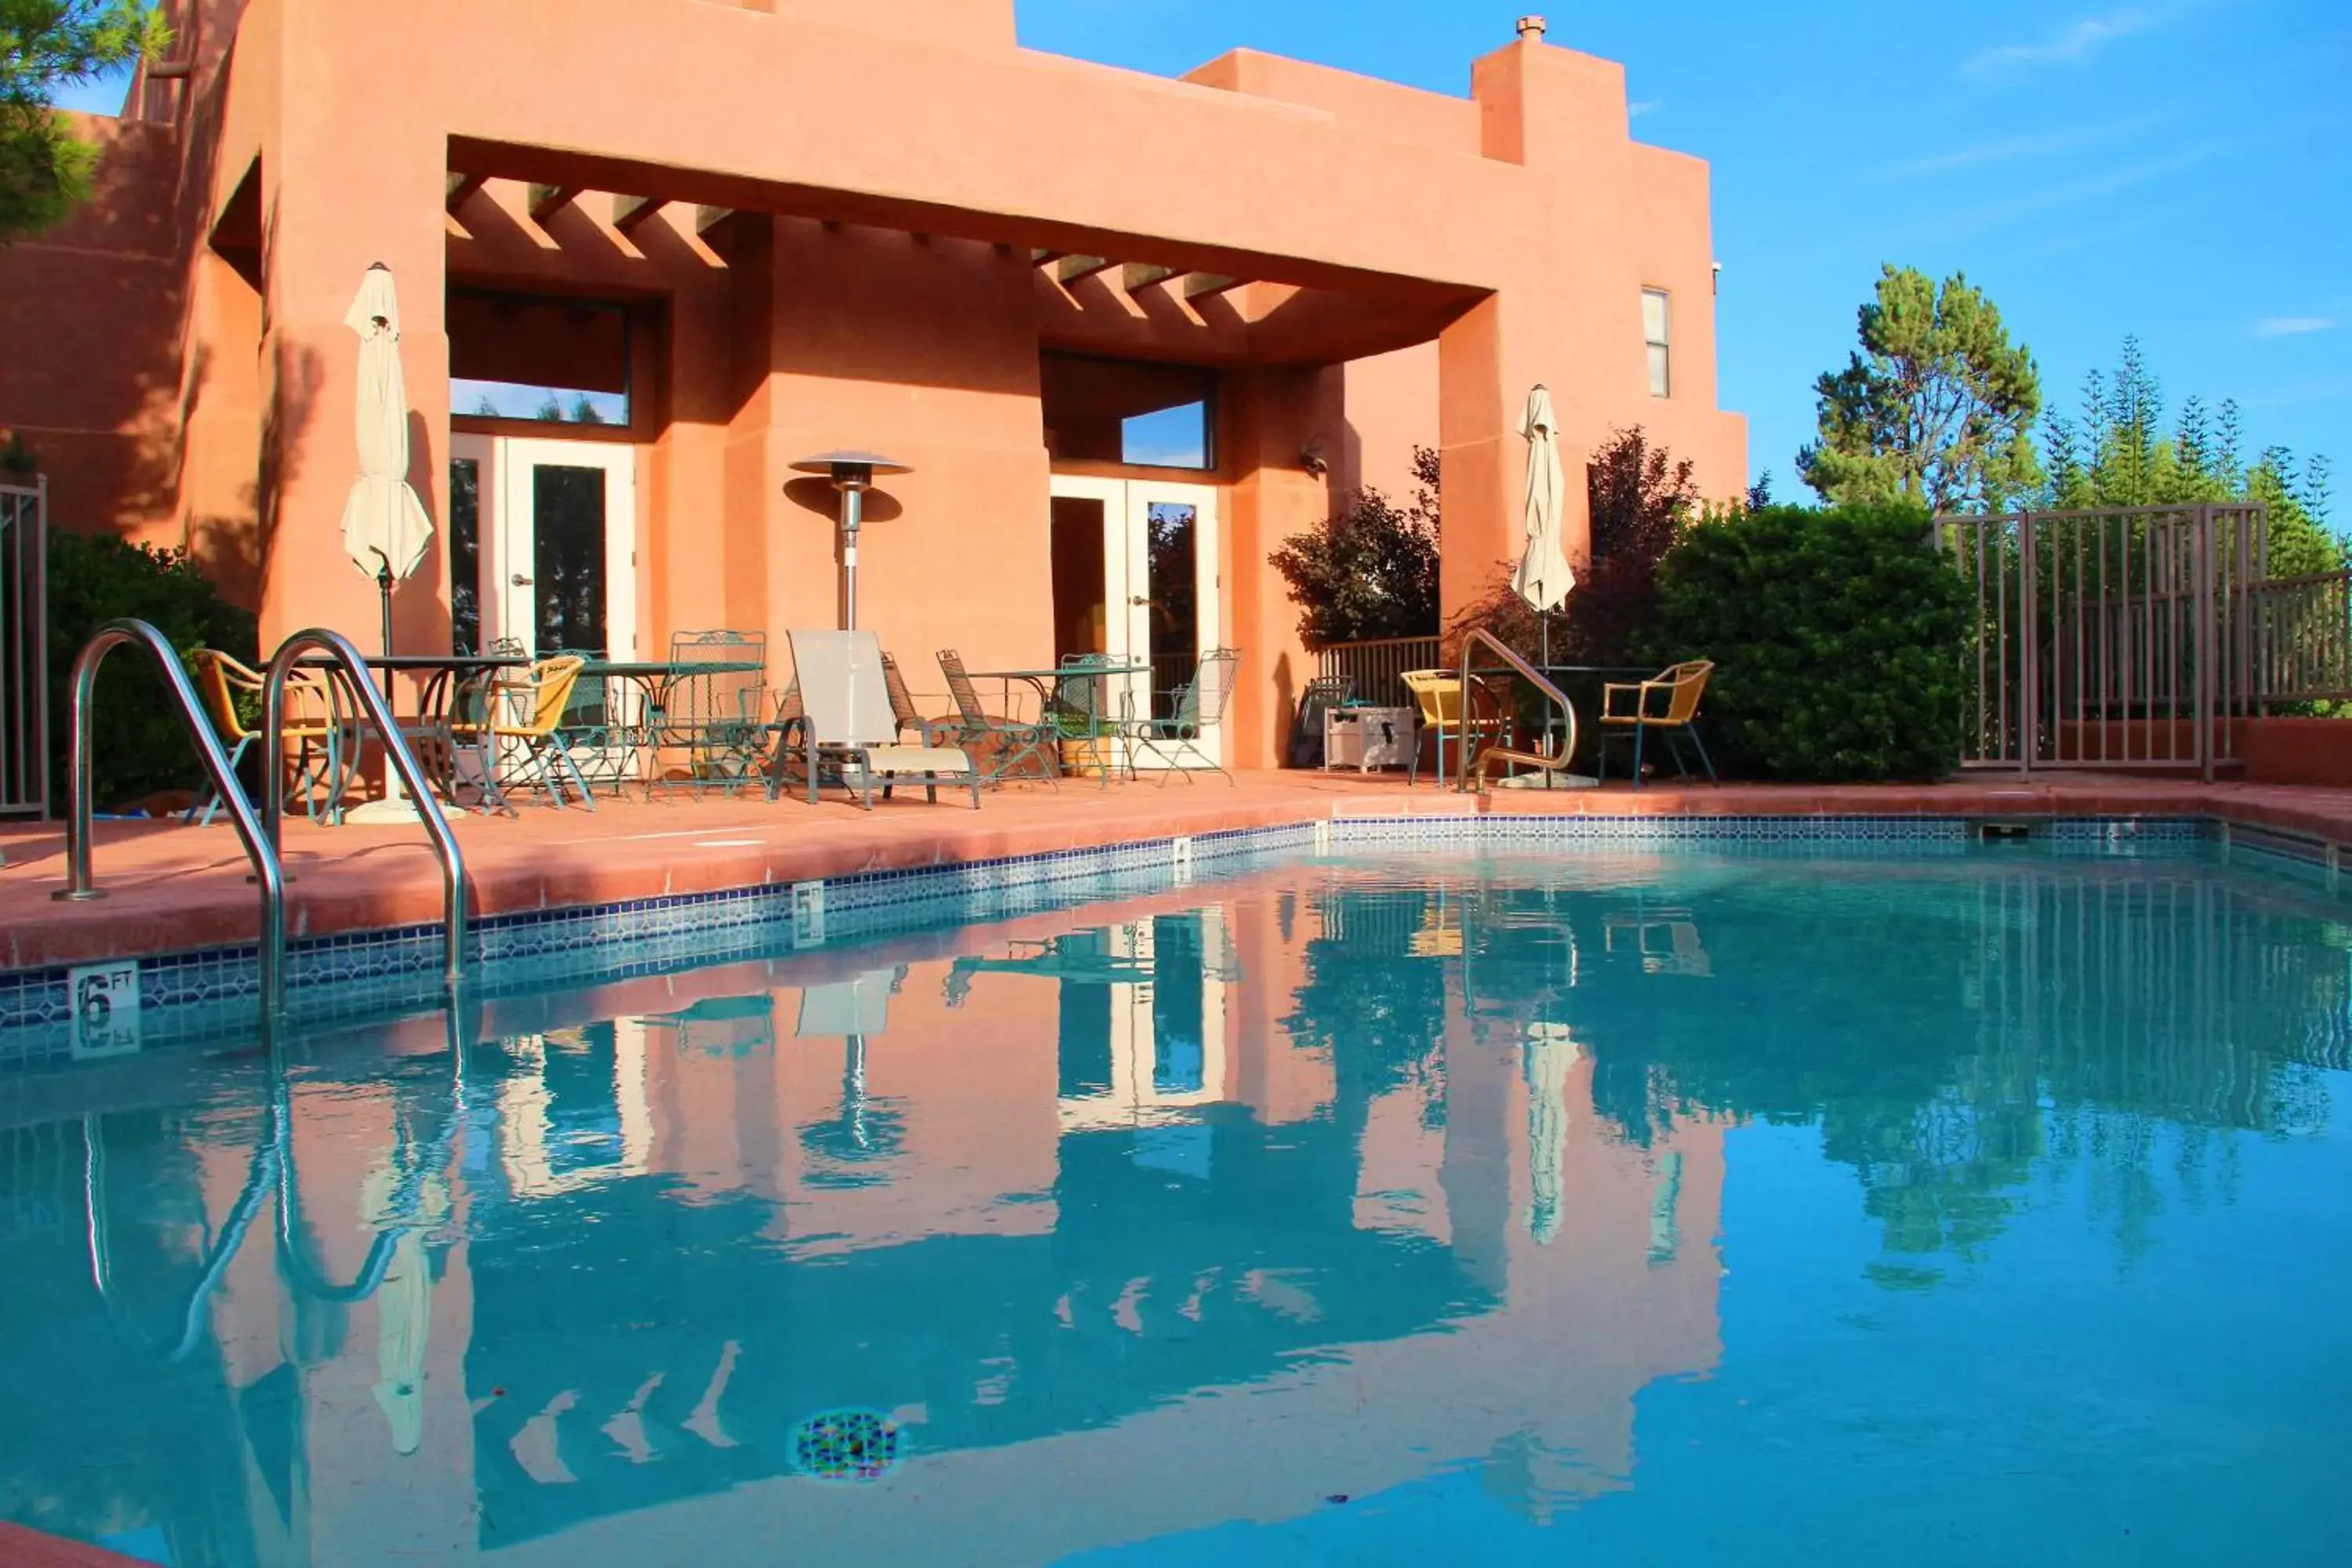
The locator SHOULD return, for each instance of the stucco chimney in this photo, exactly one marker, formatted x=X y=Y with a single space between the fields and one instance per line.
x=1531 y=29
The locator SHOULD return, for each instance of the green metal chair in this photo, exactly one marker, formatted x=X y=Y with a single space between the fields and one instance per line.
x=594 y=731
x=1011 y=742
x=1198 y=704
x=717 y=717
x=1077 y=708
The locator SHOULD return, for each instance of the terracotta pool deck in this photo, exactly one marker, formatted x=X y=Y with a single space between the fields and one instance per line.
x=172 y=888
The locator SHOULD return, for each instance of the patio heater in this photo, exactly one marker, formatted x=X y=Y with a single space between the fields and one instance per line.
x=853 y=475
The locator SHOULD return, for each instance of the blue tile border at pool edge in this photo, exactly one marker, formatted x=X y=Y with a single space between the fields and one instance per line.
x=359 y=972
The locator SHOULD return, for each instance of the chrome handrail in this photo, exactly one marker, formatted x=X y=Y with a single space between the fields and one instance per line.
x=1529 y=672
x=371 y=703
x=259 y=846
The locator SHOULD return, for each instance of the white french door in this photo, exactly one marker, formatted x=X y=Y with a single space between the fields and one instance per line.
x=1158 y=600
x=543 y=544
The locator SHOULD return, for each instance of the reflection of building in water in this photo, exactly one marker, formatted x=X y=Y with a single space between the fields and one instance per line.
x=1044 y=1198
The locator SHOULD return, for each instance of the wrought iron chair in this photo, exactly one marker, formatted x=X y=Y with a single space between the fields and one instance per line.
x=1324 y=693
x=593 y=730
x=314 y=723
x=1198 y=704
x=717 y=716
x=1078 y=708
x=1669 y=703
x=1011 y=742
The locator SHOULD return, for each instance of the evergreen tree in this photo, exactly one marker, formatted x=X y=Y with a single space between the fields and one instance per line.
x=46 y=46
x=1936 y=408
x=2113 y=454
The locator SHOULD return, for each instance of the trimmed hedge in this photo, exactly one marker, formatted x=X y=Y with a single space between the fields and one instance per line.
x=1837 y=636
x=138 y=747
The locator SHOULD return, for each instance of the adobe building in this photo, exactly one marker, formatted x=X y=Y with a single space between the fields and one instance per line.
x=1128 y=333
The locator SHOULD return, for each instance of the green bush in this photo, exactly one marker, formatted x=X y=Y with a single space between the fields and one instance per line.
x=138 y=747
x=1837 y=637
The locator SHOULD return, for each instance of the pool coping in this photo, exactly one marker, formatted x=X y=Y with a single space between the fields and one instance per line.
x=353 y=976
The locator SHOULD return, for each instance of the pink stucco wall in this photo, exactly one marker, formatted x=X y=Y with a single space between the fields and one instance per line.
x=1410 y=263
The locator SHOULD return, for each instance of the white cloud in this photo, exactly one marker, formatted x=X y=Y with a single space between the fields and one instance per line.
x=2294 y=326
x=1640 y=106
x=2011 y=149
x=2075 y=44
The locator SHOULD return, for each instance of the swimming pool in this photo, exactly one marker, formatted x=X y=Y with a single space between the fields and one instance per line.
x=1727 y=1204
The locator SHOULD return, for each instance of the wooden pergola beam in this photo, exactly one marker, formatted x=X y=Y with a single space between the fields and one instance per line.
x=459 y=187
x=1209 y=284
x=630 y=211
x=1044 y=257
x=1142 y=275
x=1071 y=268
x=546 y=201
x=707 y=219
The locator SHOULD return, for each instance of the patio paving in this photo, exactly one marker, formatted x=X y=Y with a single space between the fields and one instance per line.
x=172 y=888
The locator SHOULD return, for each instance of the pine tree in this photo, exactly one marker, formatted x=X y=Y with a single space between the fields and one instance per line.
x=45 y=45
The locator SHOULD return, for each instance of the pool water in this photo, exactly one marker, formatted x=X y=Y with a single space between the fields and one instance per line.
x=1670 y=1207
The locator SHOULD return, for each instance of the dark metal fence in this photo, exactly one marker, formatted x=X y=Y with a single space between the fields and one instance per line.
x=1375 y=669
x=2123 y=638
x=2300 y=638
x=23 y=649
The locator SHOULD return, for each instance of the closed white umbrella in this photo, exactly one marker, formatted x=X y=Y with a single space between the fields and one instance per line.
x=385 y=526
x=1543 y=578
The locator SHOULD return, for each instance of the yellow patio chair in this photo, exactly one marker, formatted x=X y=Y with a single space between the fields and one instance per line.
x=1666 y=703
x=529 y=711
x=1438 y=692
x=311 y=727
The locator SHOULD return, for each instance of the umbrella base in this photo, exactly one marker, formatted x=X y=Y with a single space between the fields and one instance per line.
x=399 y=809
x=1554 y=780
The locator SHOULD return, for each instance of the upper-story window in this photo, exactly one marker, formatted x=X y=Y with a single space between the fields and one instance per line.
x=1656 y=335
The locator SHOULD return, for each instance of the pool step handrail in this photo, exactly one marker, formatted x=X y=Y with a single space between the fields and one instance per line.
x=1479 y=636
x=260 y=848
x=378 y=715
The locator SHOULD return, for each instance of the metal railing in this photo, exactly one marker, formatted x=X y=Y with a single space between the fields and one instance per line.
x=2117 y=638
x=2300 y=632
x=371 y=703
x=260 y=848
x=23 y=649
x=1375 y=669
x=1478 y=637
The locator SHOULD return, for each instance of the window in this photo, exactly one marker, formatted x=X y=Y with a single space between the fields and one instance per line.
x=1655 y=334
x=1123 y=411
x=515 y=356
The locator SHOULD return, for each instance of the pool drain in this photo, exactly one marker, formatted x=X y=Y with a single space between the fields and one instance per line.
x=845 y=1445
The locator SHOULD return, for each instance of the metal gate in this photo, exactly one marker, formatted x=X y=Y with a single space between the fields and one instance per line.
x=23 y=649
x=2122 y=639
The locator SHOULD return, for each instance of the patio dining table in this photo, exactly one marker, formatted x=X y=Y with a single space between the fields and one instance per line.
x=442 y=681
x=1098 y=722
x=658 y=683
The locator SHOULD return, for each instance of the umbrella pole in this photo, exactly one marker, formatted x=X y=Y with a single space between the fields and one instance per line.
x=384 y=597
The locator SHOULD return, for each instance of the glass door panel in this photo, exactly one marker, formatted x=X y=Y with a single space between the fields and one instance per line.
x=1136 y=579
x=1173 y=591
x=565 y=576
x=568 y=563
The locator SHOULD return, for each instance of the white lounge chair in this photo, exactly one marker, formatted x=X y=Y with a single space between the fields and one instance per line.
x=848 y=721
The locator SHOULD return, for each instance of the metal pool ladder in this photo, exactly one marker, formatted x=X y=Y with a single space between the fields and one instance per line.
x=261 y=835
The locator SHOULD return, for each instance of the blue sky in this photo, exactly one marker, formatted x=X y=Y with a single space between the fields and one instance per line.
x=2180 y=169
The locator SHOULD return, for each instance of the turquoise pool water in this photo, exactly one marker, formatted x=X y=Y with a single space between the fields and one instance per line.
x=1662 y=1207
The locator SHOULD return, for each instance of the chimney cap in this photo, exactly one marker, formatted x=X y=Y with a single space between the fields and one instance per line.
x=1531 y=29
